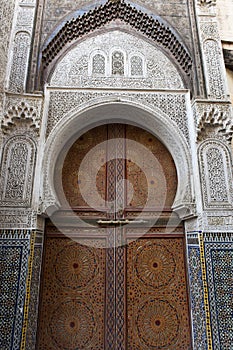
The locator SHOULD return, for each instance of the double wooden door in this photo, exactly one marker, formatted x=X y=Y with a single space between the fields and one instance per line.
x=117 y=279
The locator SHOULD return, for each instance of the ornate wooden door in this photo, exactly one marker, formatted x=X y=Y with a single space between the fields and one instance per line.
x=118 y=280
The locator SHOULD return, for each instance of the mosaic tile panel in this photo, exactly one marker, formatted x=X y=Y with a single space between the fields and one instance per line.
x=14 y=251
x=34 y=296
x=219 y=263
x=197 y=298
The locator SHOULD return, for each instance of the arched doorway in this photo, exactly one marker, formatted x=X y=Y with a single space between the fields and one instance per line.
x=119 y=283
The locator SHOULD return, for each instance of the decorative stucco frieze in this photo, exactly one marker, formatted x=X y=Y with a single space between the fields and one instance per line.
x=27 y=2
x=17 y=218
x=209 y=30
x=216 y=87
x=172 y=104
x=20 y=56
x=25 y=18
x=218 y=220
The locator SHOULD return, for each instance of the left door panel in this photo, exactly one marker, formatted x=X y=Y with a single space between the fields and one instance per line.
x=72 y=296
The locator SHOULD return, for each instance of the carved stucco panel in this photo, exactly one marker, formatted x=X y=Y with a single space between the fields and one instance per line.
x=25 y=18
x=20 y=47
x=6 y=17
x=19 y=64
x=213 y=60
x=17 y=170
x=209 y=30
x=216 y=83
x=216 y=175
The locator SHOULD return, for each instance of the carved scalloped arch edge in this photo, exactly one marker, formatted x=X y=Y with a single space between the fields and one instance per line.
x=20 y=113
x=216 y=119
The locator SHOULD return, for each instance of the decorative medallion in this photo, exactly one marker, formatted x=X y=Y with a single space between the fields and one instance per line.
x=76 y=266
x=155 y=265
x=157 y=324
x=72 y=325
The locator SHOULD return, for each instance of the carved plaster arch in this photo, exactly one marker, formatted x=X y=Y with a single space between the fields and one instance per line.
x=118 y=110
x=111 y=15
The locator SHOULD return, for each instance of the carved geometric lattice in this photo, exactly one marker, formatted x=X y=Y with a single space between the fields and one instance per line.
x=98 y=66
x=136 y=67
x=117 y=63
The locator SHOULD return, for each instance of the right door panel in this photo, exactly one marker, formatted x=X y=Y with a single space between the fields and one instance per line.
x=157 y=305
